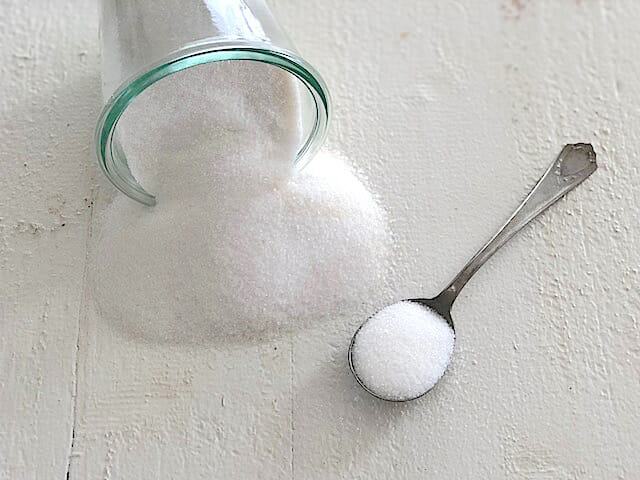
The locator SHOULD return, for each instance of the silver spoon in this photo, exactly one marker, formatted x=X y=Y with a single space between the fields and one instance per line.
x=575 y=164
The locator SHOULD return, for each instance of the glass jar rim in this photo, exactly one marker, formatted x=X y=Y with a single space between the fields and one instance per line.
x=110 y=155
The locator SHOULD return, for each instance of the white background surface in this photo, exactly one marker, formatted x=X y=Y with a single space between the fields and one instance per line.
x=452 y=110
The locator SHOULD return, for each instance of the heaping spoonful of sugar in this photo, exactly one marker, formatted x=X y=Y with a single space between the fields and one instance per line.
x=402 y=351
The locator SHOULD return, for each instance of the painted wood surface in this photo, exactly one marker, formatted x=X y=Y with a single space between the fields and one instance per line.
x=451 y=110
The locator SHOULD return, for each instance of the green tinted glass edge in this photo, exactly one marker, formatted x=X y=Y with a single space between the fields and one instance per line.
x=116 y=106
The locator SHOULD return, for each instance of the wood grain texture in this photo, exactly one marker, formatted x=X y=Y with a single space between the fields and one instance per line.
x=450 y=110
x=48 y=102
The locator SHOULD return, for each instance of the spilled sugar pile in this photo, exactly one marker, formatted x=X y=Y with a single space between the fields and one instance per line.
x=236 y=245
x=242 y=264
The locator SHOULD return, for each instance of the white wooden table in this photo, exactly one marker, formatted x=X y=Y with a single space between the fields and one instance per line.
x=452 y=110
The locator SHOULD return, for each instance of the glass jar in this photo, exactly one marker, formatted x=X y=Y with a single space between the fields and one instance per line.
x=144 y=41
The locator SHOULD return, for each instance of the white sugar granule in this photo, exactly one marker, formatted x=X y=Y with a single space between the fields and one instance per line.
x=236 y=246
x=402 y=351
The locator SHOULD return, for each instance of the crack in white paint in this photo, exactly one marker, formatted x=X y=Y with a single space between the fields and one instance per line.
x=82 y=313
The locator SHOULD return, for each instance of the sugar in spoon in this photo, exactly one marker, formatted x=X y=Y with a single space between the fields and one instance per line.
x=402 y=351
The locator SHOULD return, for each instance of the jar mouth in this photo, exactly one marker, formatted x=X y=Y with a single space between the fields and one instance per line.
x=110 y=154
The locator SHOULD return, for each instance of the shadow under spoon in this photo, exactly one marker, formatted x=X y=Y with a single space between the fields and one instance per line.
x=574 y=164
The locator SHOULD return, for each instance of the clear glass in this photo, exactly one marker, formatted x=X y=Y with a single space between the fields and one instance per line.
x=143 y=41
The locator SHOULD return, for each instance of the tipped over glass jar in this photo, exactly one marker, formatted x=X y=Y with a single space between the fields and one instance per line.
x=145 y=41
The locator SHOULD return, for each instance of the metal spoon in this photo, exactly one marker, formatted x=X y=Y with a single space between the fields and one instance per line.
x=575 y=164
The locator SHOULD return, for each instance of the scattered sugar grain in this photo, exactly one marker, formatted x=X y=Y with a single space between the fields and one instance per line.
x=402 y=351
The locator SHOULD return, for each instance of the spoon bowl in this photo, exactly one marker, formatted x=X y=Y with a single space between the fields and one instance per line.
x=574 y=164
x=439 y=306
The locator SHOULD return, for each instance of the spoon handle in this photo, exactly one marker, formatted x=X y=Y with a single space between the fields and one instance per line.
x=574 y=165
